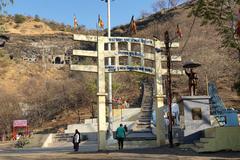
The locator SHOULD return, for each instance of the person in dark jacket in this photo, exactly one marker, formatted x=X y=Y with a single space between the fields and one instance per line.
x=126 y=128
x=120 y=135
x=76 y=140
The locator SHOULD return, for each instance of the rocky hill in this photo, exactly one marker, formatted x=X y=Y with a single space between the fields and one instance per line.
x=35 y=72
x=199 y=43
x=36 y=77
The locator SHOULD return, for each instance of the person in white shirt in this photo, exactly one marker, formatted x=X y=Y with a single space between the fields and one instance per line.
x=76 y=140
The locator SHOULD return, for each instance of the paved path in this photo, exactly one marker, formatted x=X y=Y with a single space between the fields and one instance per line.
x=129 y=154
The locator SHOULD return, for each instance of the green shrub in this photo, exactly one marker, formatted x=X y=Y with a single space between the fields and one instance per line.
x=37 y=18
x=21 y=142
x=18 y=18
x=2 y=29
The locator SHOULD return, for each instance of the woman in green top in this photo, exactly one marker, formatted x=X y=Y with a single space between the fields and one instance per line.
x=120 y=134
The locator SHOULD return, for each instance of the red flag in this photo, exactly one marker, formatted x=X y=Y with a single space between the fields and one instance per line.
x=179 y=32
x=133 y=26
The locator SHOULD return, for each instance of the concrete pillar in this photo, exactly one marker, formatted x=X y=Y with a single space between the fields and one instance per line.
x=142 y=51
x=159 y=98
x=102 y=128
x=116 y=55
x=129 y=57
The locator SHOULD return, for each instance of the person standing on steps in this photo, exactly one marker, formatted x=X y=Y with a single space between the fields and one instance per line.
x=126 y=128
x=76 y=140
x=120 y=135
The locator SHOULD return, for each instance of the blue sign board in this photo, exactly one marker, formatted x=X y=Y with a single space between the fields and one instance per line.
x=132 y=40
x=112 y=68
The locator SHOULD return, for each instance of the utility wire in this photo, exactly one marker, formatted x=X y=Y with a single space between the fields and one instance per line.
x=189 y=34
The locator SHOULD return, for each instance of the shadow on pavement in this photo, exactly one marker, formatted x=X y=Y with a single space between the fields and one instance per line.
x=165 y=150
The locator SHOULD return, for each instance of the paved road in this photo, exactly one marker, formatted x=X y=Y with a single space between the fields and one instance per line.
x=65 y=153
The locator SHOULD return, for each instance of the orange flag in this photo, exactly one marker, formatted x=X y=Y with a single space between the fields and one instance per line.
x=179 y=32
x=133 y=26
x=75 y=22
x=100 y=22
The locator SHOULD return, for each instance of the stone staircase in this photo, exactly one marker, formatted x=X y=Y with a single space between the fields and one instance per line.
x=63 y=137
x=142 y=132
x=36 y=140
x=218 y=139
x=134 y=144
x=144 y=119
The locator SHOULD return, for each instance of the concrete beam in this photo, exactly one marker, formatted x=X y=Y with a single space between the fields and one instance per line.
x=161 y=44
x=173 y=72
x=80 y=37
x=132 y=40
x=151 y=56
x=84 y=68
x=173 y=58
x=85 y=53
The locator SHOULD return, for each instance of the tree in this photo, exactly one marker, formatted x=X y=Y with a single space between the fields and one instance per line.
x=4 y=3
x=224 y=15
x=159 y=5
x=9 y=111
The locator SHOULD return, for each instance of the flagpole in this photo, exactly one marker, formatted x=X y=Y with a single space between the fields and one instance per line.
x=110 y=127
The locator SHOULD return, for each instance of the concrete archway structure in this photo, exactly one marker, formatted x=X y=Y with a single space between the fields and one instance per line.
x=101 y=69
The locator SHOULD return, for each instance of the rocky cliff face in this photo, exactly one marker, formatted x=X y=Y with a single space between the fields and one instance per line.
x=36 y=46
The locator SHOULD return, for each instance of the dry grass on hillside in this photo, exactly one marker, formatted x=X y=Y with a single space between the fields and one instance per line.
x=202 y=45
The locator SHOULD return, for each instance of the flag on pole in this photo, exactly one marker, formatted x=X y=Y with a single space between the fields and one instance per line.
x=133 y=26
x=75 y=25
x=179 y=32
x=100 y=22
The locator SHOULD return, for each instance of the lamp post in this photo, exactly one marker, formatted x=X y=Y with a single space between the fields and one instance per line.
x=110 y=117
x=167 y=46
x=167 y=42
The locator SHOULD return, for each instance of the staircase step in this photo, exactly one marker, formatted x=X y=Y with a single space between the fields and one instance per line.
x=145 y=115
x=148 y=105
x=195 y=148
x=134 y=144
x=199 y=144
x=145 y=118
x=148 y=113
x=140 y=136
x=143 y=123
x=145 y=126
x=141 y=130
x=205 y=140
x=146 y=110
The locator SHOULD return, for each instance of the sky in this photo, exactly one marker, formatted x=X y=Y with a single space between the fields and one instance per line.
x=86 y=11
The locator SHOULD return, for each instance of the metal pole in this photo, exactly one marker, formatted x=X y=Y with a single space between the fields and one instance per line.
x=167 y=45
x=110 y=127
x=207 y=84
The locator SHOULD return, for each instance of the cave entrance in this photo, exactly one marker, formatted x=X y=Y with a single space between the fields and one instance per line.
x=57 y=60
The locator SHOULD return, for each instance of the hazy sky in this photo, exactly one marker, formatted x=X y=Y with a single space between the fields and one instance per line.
x=86 y=11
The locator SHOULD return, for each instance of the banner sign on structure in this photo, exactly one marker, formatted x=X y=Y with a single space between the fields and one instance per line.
x=20 y=123
x=132 y=40
x=130 y=68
